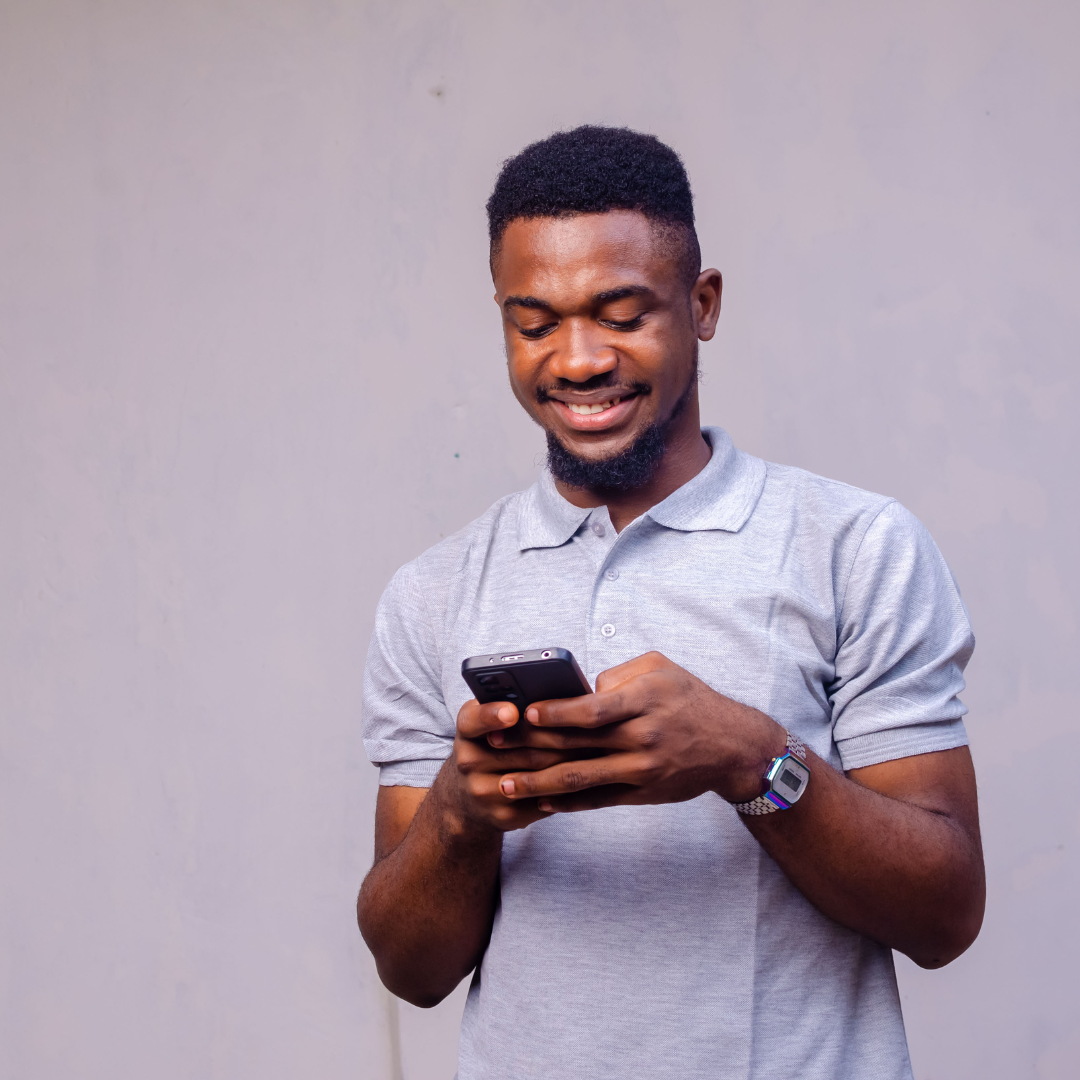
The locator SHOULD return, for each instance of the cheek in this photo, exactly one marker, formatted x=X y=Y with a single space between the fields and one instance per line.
x=522 y=380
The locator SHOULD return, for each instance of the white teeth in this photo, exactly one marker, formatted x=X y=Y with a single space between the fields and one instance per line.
x=587 y=410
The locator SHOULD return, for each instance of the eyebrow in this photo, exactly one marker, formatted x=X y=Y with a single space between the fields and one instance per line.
x=526 y=302
x=606 y=297
x=621 y=293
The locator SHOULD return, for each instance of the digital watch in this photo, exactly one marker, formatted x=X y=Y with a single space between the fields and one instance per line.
x=786 y=779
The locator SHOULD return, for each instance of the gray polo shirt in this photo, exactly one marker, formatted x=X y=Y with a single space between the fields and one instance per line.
x=661 y=941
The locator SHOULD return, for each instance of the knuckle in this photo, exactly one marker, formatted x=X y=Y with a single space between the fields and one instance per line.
x=648 y=738
x=574 y=780
x=536 y=759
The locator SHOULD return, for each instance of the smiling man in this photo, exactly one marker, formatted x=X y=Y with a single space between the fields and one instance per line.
x=701 y=869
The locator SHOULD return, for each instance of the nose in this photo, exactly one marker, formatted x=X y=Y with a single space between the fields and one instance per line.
x=582 y=355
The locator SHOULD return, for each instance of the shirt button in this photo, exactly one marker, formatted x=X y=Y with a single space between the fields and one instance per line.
x=608 y=629
x=612 y=574
x=598 y=528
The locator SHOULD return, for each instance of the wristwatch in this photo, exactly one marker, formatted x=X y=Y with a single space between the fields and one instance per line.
x=786 y=779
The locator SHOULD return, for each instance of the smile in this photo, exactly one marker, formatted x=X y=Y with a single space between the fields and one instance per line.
x=599 y=406
x=597 y=415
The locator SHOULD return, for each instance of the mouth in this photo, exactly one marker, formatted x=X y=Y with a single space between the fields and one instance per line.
x=596 y=415
x=593 y=408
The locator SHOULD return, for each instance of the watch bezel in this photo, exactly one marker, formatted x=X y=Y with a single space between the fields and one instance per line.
x=798 y=766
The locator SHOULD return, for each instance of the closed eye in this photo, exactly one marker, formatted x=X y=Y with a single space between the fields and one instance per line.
x=624 y=325
x=536 y=331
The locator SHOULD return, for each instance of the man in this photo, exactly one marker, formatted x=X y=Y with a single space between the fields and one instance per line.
x=611 y=869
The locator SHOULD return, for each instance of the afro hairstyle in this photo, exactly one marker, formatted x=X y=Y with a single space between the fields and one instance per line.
x=591 y=170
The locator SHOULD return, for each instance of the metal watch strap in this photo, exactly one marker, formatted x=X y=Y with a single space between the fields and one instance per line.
x=762 y=804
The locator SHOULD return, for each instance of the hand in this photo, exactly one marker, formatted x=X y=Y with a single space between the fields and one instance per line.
x=662 y=734
x=478 y=766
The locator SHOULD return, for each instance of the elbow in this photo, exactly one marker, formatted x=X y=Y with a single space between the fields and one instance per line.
x=405 y=981
x=951 y=936
x=399 y=973
x=421 y=997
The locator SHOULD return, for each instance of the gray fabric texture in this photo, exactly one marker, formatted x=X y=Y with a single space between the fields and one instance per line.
x=661 y=941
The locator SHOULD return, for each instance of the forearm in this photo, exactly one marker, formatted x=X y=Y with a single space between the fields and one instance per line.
x=426 y=908
x=907 y=875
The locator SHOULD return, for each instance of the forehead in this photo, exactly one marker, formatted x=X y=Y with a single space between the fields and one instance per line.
x=584 y=253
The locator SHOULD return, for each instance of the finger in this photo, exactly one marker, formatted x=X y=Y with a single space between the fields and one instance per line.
x=475 y=720
x=589 y=710
x=530 y=734
x=592 y=799
x=610 y=737
x=475 y=758
x=492 y=805
x=621 y=673
x=572 y=776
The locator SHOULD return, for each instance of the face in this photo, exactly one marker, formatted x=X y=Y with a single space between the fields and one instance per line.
x=601 y=331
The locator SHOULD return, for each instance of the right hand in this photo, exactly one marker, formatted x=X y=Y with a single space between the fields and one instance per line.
x=479 y=767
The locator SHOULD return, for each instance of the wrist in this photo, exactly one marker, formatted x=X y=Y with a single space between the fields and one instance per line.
x=765 y=740
x=458 y=826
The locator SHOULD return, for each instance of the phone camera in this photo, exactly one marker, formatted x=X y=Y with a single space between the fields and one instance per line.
x=546 y=654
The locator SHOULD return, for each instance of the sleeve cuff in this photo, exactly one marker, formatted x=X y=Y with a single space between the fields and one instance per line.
x=894 y=743
x=420 y=773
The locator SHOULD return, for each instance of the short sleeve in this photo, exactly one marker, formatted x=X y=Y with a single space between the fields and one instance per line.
x=408 y=731
x=904 y=639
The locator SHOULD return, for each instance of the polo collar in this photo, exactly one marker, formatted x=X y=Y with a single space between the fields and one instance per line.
x=722 y=496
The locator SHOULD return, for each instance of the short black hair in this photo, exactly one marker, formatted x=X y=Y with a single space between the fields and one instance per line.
x=591 y=170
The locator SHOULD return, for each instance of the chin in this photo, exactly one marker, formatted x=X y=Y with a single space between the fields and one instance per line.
x=621 y=464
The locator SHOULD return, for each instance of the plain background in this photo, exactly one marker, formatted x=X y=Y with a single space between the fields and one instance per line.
x=249 y=364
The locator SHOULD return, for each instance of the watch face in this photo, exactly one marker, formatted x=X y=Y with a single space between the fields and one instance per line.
x=788 y=781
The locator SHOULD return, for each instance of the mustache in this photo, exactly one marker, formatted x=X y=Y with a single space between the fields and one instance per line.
x=598 y=382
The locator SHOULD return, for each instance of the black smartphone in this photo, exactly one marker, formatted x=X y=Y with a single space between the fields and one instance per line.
x=525 y=676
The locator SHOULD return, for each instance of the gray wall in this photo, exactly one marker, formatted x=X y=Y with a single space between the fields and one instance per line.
x=249 y=364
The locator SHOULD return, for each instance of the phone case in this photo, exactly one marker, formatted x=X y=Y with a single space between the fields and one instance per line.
x=525 y=676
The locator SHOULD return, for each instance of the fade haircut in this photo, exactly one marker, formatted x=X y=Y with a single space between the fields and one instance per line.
x=592 y=170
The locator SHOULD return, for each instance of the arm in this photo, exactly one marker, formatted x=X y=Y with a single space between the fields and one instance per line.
x=427 y=905
x=891 y=851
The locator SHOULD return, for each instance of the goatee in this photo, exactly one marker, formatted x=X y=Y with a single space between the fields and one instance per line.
x=627 y=470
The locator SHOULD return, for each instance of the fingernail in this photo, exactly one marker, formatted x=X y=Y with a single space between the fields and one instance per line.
x=507 y=715
x=496 y=738
x=507 y=786
x=532 y=715
x=546 y=806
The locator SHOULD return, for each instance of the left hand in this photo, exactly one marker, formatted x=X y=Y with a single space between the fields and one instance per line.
x=666 y=736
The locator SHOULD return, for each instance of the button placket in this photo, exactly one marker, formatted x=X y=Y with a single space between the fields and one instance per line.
x=611 y=614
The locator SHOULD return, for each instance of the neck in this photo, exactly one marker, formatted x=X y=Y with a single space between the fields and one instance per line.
x=686 y=453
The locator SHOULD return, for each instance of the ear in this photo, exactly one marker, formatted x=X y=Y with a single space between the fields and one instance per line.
x=705 y=302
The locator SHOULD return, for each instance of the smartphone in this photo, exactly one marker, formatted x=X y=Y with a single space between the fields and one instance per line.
x=524 y=677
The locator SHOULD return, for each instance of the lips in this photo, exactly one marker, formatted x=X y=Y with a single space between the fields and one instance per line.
x=596 y=407
x=595 y=415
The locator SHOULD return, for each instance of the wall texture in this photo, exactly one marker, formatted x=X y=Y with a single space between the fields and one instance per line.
x=249 y=364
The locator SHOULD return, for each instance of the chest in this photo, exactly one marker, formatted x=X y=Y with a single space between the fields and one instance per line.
x=755 y=627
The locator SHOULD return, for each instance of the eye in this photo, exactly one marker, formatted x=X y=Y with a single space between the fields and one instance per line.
x=624 y=324
x=536 y=331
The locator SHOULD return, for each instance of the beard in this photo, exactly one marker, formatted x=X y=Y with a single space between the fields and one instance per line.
x=629 y=469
